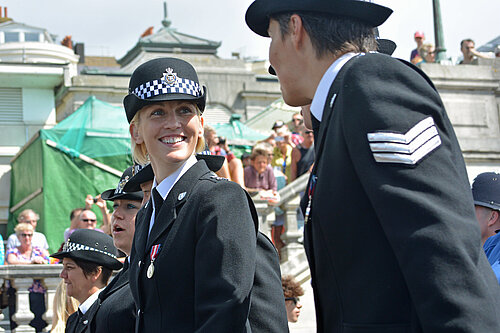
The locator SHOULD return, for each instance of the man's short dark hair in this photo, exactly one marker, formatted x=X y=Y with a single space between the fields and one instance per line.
x=332 y=34
x=90 y=268
x=74 y=212
x=468 y=40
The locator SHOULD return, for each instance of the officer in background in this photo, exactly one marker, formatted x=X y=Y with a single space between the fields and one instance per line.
x=390 y=233
x=88 y=258
x=116 y=299
x=486 y=193
x=267 y=307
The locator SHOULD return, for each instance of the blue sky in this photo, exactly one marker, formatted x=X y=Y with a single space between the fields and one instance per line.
x=111 y=27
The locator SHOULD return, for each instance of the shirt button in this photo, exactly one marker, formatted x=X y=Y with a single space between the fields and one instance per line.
x=85 y=322
x=139 y=263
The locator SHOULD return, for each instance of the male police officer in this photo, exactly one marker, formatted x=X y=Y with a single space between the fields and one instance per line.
x=390 y=232
x=486 y=193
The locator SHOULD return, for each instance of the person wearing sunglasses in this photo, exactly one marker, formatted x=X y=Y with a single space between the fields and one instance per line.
x=28 y=253
x=39 y=240
x=292 y=290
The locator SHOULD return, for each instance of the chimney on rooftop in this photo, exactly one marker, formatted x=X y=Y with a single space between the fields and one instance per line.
x=67 y=42
x=5 y=11
x=79 y=49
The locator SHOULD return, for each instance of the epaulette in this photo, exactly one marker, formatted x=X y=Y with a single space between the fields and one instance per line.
x=214 y=178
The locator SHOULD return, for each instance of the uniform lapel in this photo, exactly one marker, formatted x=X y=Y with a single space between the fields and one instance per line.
x=139 y=244
x=142 y=228
x=85 y=321
x=174 y=201
x=120 y=280
x=319 y=139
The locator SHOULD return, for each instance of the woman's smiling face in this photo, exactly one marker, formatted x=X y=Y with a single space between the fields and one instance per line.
x=170 y=131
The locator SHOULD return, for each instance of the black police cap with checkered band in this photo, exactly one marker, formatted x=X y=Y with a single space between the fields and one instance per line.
x=90 y=245
x=163 y=79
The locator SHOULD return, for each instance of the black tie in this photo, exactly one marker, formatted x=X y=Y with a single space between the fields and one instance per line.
x=79 y=319
x=158 y=202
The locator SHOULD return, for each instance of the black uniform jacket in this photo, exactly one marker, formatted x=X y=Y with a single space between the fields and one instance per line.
x=393 y=243
x=82 y=324
x=116 y=313
x=205 y=267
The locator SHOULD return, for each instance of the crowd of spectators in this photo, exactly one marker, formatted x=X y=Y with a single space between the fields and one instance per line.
x=26 y=246
x=272 y=163
x=426 y=52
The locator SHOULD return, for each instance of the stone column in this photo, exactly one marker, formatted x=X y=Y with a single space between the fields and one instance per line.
x=51 y=286
x=266 y=216
x=23 y=315
x=292 y=234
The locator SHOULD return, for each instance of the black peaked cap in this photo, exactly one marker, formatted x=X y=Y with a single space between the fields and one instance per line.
x=259 y=12
x=214 y=163
x=119 y=192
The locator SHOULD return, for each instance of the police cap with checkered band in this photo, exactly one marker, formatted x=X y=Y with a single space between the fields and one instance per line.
x=90 y=245
x=119 y=193
x=259 y=12
x=163 y=79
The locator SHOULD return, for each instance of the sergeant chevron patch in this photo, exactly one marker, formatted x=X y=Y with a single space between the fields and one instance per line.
x=409 y=148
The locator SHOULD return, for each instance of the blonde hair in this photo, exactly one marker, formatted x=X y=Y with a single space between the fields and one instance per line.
x=23 y=227
x=139 y=151
x=64 y=306
x=26 y=212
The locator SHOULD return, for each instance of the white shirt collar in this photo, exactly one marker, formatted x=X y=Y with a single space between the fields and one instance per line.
x=166 y=185
x=319 y=100
x=85 y=306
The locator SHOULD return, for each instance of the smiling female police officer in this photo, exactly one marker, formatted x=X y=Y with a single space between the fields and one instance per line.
x=88 y=259
x=193 y=258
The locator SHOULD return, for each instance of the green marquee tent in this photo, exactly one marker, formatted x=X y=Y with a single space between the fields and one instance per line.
x=240 y=137
x=83 y=154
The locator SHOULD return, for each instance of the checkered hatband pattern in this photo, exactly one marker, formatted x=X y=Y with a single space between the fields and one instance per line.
x=160 y=87
x=70 y=247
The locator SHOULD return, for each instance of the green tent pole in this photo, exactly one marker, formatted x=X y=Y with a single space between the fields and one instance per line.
x=84 y=158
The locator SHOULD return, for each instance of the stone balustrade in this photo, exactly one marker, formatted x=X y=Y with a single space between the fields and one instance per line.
x=21 y=278
x=293 y=259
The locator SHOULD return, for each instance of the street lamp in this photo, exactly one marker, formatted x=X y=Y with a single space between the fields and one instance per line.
x=438 y=32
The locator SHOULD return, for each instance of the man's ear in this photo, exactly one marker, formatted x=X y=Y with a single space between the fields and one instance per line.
x=296 y=30
x=494 y=219
x=135 y=133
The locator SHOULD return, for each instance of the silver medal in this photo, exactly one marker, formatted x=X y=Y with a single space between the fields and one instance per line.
x=151 y=271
